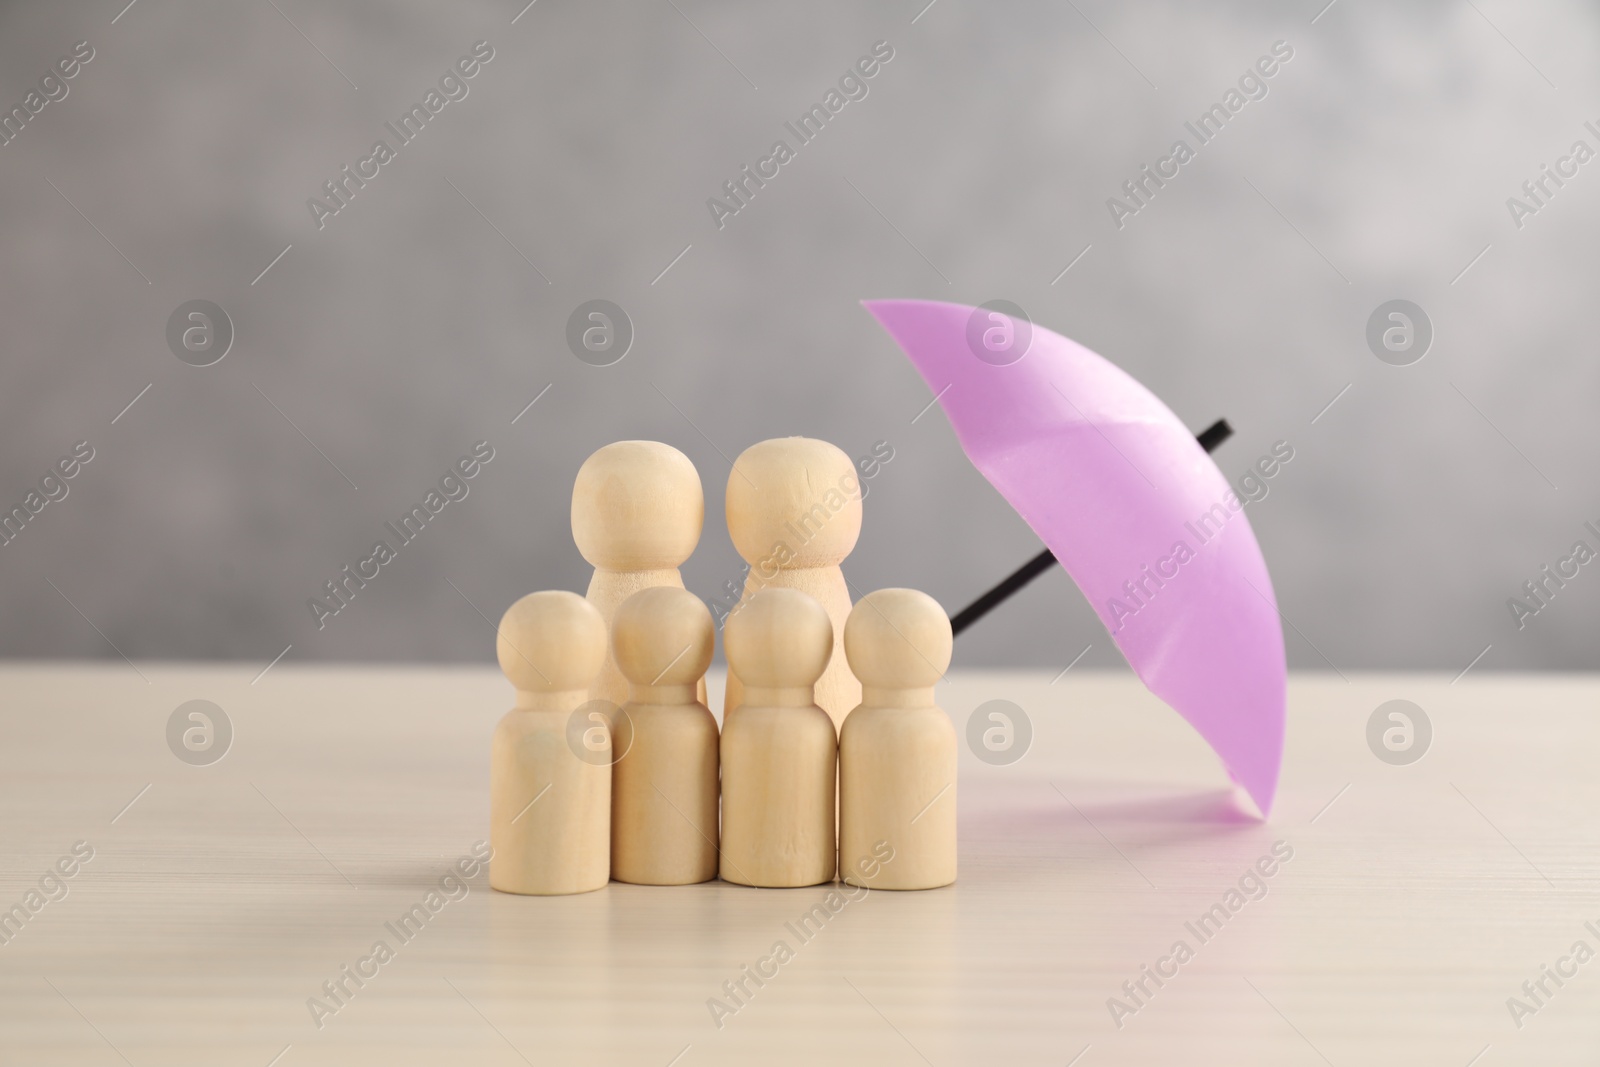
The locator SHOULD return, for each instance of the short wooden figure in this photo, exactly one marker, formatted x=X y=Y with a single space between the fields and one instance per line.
x=664 y=780
x=549 y=807
x=779 y=751
x=794 y=514
x=637 y=512
x=897 y=751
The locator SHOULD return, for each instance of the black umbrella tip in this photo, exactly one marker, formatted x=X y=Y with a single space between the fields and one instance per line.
x=1214 y=435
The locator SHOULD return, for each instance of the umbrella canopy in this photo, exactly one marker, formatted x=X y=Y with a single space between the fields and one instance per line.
x=1133 y=508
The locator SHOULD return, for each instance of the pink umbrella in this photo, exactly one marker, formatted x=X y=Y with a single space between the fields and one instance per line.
x=1133 y=508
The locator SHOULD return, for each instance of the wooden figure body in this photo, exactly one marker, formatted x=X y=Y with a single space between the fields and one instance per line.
x=664 y=780
x=794 y=514
x=637 y=512
x=897 y=751
x=549 y=809
x=779 y=752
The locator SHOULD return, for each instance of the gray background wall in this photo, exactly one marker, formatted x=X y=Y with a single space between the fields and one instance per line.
x=407 y=328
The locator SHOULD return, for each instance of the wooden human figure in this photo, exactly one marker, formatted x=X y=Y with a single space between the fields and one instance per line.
x=794 y=514
x=897 y=752
x=664 y=780
x=779 y=752
x=637 y=512
x=549 y=806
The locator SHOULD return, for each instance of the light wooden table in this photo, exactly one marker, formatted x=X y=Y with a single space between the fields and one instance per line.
x=1418 y=899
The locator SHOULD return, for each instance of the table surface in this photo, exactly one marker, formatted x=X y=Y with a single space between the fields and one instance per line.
x=220 y=898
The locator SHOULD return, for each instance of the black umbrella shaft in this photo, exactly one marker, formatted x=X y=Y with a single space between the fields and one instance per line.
x=1209 y=439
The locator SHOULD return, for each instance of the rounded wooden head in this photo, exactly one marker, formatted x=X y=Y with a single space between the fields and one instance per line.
x=779 y=638
x=898 y=639
x=551 y=642
x=798 y=493
x=637 y=506
x=663 y=636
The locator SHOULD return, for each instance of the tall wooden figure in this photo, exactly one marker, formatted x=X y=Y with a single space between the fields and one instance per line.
x=779 y=751
x=637 y=511
x=549 y=807
x=794 y=514
x=897 y=752
x=664 y=781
